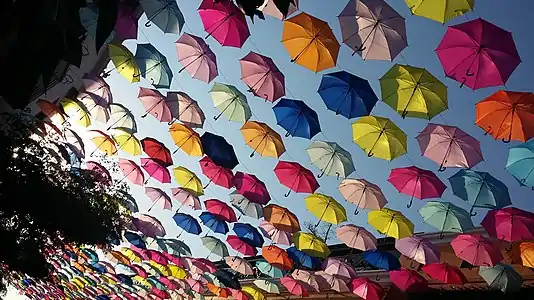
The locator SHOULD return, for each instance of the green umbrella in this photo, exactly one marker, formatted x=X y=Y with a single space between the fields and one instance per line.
x=446 y=217
x=171 y=246
x=501 y=277
x=267 y=269
x=245 y=206
x=331 y=159
x=230 y=102
x=215 y=246
x=267 y=285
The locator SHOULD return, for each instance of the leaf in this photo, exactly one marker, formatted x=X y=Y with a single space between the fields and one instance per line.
x=107 y=17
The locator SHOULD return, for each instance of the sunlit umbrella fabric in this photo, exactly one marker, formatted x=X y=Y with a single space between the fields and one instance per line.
x=188 y=180
x=187 y=111
x=165 y=14
x=248 y=234
x=148 y=225
x=362 y=193
x=230 y=102
x=224 y=22
x=331 y=159
x=262 y=76
x=76 y=111
x=240 y=246
x=418 y=249
x=245 y=206
x=281 y=218
x=297 y=178
x=187 y=223
x=262 y=139
x=153 y=65
x=156 y=169
x=121 y=118
x=294 y=287
x=382 y=260
x=99 y=172
x=502 y=277
x=298 y=119
x=302 y=259
x=215 y=246
x=379 y=137
x=186 y=197
x=277 y=257
x=157 y=150
x=520 y=163
x=103 y=142
x=509 y=224
x=186 y=139
x=310 y=244
x=251 y=187
x=52 y=111
x=221 y=209
x=326 y=208
x=476 y=250
x=158 y=196
x=356 y=237
x=390 y=222
x=267 y=269
x=441 y=10
x=526 y=252
x=446 y=217
x=156 y=104
x=216 y=174
x=124 y=61
x=334 y=266
x=96 y=88
x=126 y=141
x=196 y=57
x=417 y=183
x=239 y=265
x=253 y=292
x=219 y=150
x=276 y=235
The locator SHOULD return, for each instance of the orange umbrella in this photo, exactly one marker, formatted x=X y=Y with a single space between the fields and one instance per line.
x=52 y=111
x=281 y=218
x=507 y=115
x=277 y=257
x=310 y=42
x=118 y=257
x=218 y=291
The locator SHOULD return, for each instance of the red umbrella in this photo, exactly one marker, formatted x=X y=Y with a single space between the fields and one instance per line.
x=294 y=286
x=160 y=293
x=445 y=273
x=157 y=150
x=476 y=250
x=156 y=257
x=408 y=280
x=221 y=209
x=158 y=196
x=240 y=246
x=131 y=171
x=156 y=169
x=509 y=224
x=417 y=183
x=366 y=289
x=225 y=22
x=157 y=105
x=251 y=188
x=219 y=175
x=297 y=178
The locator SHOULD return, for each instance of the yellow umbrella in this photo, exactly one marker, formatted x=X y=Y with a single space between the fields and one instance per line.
x=124 y=62
x=141 y=281
x=326 y=208
x=379 y=137
x=264 y=140
x=253 y=293
x=176 y=271
x=186 y=139
x=76 y=111
x=526 y=250
x=126 y=141
x=413 y=92
x=103 y=142
x=311 y=244
x=390 y=222
x=130 y=255
x=440 y=10
x=162 y=270
x=188 y=180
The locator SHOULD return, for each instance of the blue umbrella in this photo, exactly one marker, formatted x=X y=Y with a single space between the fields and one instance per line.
x=71 y=254
x=96 y=267
x=213 y=223
x=187 y=223
x=248 y=234
x=347 y=95
x=130 y=203
x=267 y=269
x=302 y=259
x=218 y=150
x=382 y=260
x=479 y=189
x=102 y=297
x=153 y=66
x=125 y=279
x=90 y=254
x=135 y=239
x=521 y=163
x=165 y=14
x=297 y=118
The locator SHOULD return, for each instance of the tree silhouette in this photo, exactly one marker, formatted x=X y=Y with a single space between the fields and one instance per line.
x=323 y=230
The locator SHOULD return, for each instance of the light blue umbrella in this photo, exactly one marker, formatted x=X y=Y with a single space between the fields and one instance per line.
x=153 y=66
x=165 y=14
x=446 y=217
x=521 y=163
x=501 y=277
x=479 y=189
x=267 y=269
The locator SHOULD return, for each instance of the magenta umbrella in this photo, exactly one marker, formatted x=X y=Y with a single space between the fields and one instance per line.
x=251 y=188
x=276 y=235
x=225 y=22
x=158 y=196
x=156 y=170
x=356 y=237
x=408 y=280
x=196 y=57
x=418 y=249
x=186 y=197
x=126 y=23
x=449 y=146
x=476 y=250
x=334 y=266
x=131 y=171
x=417 y=183
x=157 y=105
x=148 y=225
x=99 y=172
x=509 y=224
x=219 y=175
x=240 y=246
x=295 y=287
x=262 y=76
x=366 y=289
x=297 y=178
x=478 y=54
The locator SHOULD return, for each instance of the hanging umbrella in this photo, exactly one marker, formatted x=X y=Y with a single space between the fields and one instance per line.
x=297 y=178
x=76 y=111
x=153 y=65
x=449 y=146
x=296 y=118
x=339 y=268
x=478 y=54
x=362 y=193
x=221 y=209
x=224 y=22
x=356 y=237
x=303 y=260
x=188 y=180
x=126 y=141
x=331 y=159
x=418 y=249
x=196 y=285
x=442 y=10
x=476 y=250
x=219 y=150
x=280 y=9
x=262 y=139
x=96 y=88
x=276 y=235
x=158 y=196
x=417 y=183
x=268 y=286
x=281 y=218
x=347 y=94
x=520 y=164
x=186 y=139
x=294 y=287
x=155 y=169
x=51 y=111
x=156 y=105
x=196 y=57
x=240 y=246
x=390 y=222
x=124 y=62
x=173 y=246
x=126 y=23
x=187 y=111
x=408 y=280
x=446 y=217
x=121 y=117
x=379 y=137
x=310 y=42
x=382 y=260
x=157 y=150
x=230 y=102
x=165 y=14
x=373 y=29
x=102 y=141
x=326 y=208
x=254 y=293
x=97 y=107
x=245 y=206
x=248 y=234
x=331 y=282
x=308 y=277
x=99 y=172
x=216 y=174
x=479 y=189
x=509 y=224
x=227 y=278
x=526 y=250
x=502 y=277
x=277 y=261
x=239 y=265
x=187 y=223
x=310 y=244
x=366 y=289
x=215 y=246
x=506 y=115
x=186 y=197
x=148 y=225
x=251 y=187
x=262 y=76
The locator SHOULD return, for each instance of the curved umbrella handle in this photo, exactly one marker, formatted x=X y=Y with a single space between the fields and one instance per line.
x=288 y=134
x=468 y=73
x=370 y=154
x=412 y=265
x=252 y=154
x=404 y=114
x=464 y=79
x=441 y=236
x=410 y=204
x=473 y=214
x=442 y=168
x=147 y=24
x=506 y=141
x=377 y=277
x=356 y=212
x=338 y=175
x=321 y=175
x=287 y=194
x=144 y=116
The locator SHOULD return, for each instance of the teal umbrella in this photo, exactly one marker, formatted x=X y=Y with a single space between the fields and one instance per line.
x=153 y=66
x=267 y=269
x=331 y=159
x=165 y=14
x=172 y=246
x=156 y=283
x=501 y=277
x=521 y=163
x=446 y=217
x=267 y=285
x=215 y=246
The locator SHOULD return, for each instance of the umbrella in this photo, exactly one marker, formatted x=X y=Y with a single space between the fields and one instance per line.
x=267 y=269
x=509 y=224
x=277 y=257
x=121 y=117
x=158 y=196
x=96 y=88
x=227 y=278
x=148 y=225
x=334 y=266
x=102 y=141
x=526 y=250
x=449 y=146
x=268 y=286
x=281 y=218
x=224 y=22
x=216 y=174
x=390 y=222
x=230 y=102
x=408 y=280
x=254 y=293
x=196 y=57
x=296 y=118
x=373 y=29
x=366 y=289
x=156 y=169
x=479 y=189
x=124 y=62
x=196 y=285
x=126 y=141
x=153 y=65
x=218 y=150
x=221 y=209
x=310 y=42
x=331 y=159
x=502 y=277
x=165 y=14
x=356 y=237
x=251 y=187
x=240 y=246
x=332 y=282
x=413 y=92
x=297 y=178
x=248 y=234
x=417 y=183
x=446 y=217
x=326 y=208
x=347 y=94
x=362 y=193
x=308 y=277
x=186 y=197
x=262 y=76
x=213 y=223
x=507 y=115
x=76 y=111
x=214 y=245
x=239 y=265
x=476 y=250
x=99 y=172
x=381 y=260
x=97 y=107
x=245 y=206
x=262 y=139
x=520 y=165
x=294 y=287
x=280 y=9
x=189 y=113
x=156 y=105
x=188 y=180
x=418 y=249
x=442 y=10
x=173 y=246
x=379 y=137
x=186 y=139
x=310 y=244
x=478 y=54
x=126 y=23
x=51 y=111
x=276 y=235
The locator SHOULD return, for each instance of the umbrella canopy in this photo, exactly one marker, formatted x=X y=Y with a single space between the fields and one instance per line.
x=227 y=278
x=332 y=282
x=186 y=197
x=251 y=187
x=152 y=64
x=121 y=118
x=248 y=234
x=295 y=287
x=218 y=150
x=157 y=196
x=156 y=169
x=347 y=94
x=310 y=244
x=165 y=14
x=526 y=250
x=99 y=172
x=239 y=265
x=279 y=9
x=96 y=88
x=126 y=141
x=366 y=289
x=379 y=137
x=446 y=217
x=331 y=159
x=262 y=76
x=102 y=141
x=157 y=150
x=76 y=111
x=476 y=250
x=502 y=277
x=213 y=223
x=225 y=22
x=449 y=146
x=216 y=174
x=230 y=102
x=188 y=180
x=297 y=178
x=390 y=222
x=418 y=249
x=148 y=225
x=96 y=106
x=382 y=260
x=362 y=193
x=214 y=245
x=326 y=208
x=52 y=111
x=356 y=237
x=442 y=10
x=124 y=61
x=298 y=119
x=173 y=247
x=509 y=224
x=262 y=139
x=276 y=235
x=240 y=246
x=417 y=183
x=186 y=139
x=334 y=266
x=408 y=280
x=373 y=29
x=268 y=286
x=308 y=277
x=156 y=105
x=185 y=109
x=245 y=206
x=221 y=209
x=303 y=260
x=520 y=164
x=478 y=54
x=277 y=257
x=196 y=57
x=126 y=24
x=254 y=293
x=281 y=218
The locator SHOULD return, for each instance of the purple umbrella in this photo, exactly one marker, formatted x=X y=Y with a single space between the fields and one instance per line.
x=148 y=225
x=126 y=24
x=158 y=196
x=418 y=249
x=196 y=57
x=262 y=76
x=334 y=266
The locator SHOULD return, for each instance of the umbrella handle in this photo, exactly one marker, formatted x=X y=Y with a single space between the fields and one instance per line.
x=321 y=175
x=468 y=73
x=441 y=236
x=506 y=141
x=412 y=265
x=288 y=134
x=410 y=204
x=442 y=168
x=356 y=212
x=508 y=249
x=370 y=154
x=144 y=116
x=377 y=277
x=147 y=24
x=85 y=51
x=287 y=194
x=337 y=173
x=252 y=154
x=464 y=79
x=473 y=214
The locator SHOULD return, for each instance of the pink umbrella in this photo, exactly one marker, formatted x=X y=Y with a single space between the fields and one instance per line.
x=240 y=246
x=225 y=22
x=239 y=265
x=509 y=224
x=156 y=170
x=333 y=282
x=148 y=225
x=478 y=54
x=238 y=295
x=186 y=198
x=362 y=193
x=308 y=277
x=126 y=23
x=294 y=286
x=297 y=178
x=131 y=171
x=196 y=57
x=449 y=146
x=157 y=105
x=408 y=280
x=356 y=237
x=221 y=209
x=219 y=175
x=251 y=188
x=139 y=270
x=99 y=172
x=366 y=289
x=158 y=196
x=169 y=283
x=262 y=76
x=156 y=257
x=189 y=113
x=97 y=89
x=196 y=285
x=416 y=182
x=272 y=9
x=476 y=250
x=334 y=266
x=276 y=235
x=418 y=249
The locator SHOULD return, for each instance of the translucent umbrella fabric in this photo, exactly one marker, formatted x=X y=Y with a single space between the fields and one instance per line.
x=126 y=141
x=262 y=139
x=418 y=249
x=379 y=137
x=326 y=208
x=220 y=209
x=216 y=174
x=215 y=246
x=186 y=197
x=196 y=58
x=262 y=76
x=230 y=102
x=520 y=163
x=251 y=187
x=153 y=65
x=331 y=159
x=417 y=183
x=446 y=217
x=281 y=218
x=157 y=196
x=245 y=206
x=124 y=61
x=294 y=287
x=502 y=277
x=165 y=14
x=188 y=111
x=476 y=250
x=366 y=289
x=224 y=22
x=297 y=178
x=156 y=170
x=509 y=224
x=298 y=119
x=445 y=273
x=276 y=235
x=157 y=150
x=239 y=265
x=408 y=280
x=442 y=10
x=121 y=118
x=390 y=222
x=362 y=193
x=186 y=139
x=148 y=225
x=280 y=10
